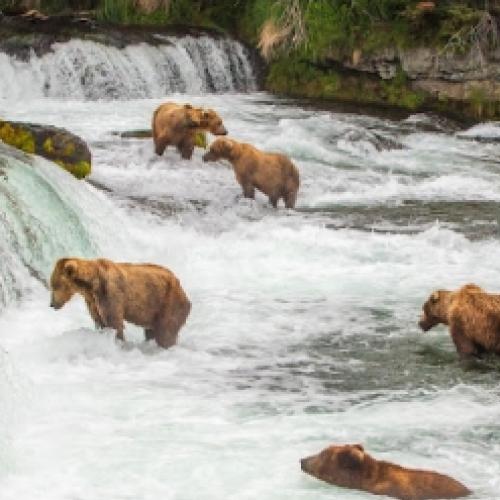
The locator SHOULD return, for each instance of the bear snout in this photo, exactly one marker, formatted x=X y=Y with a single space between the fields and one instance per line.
x=424 y=324
x=305 y=464
x=221 y=130
x=208 y=157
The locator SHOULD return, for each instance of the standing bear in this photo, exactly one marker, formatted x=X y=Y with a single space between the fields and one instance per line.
x=143 y=294
x=349 y=466
x=271 y=173
x=178 y=125
x=472 y=315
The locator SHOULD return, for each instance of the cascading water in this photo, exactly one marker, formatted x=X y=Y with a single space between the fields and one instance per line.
x=43 y=215
x=303 y=330
x=81 y=69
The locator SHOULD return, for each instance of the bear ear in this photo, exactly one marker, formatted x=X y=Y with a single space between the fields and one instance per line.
x=352 y=457
x=188 y=106
x=435 y=297
x=70 y=268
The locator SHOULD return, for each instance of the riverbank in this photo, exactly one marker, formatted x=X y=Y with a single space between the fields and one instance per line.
x=444 y=58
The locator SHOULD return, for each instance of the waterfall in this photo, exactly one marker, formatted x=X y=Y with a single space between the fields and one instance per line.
x=80 y=69
x=44 y=214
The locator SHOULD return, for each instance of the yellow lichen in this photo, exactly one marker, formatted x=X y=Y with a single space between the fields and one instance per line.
x=48 y=145
x=17 y=137
x=69 y=150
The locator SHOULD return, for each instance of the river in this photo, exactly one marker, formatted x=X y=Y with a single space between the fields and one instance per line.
x=303 y=330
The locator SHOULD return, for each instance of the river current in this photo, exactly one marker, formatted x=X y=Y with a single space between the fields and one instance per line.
x=303 y=330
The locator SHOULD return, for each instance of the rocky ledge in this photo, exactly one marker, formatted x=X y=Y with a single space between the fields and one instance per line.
x=22 y=35
x=444 y=75
x=55 y=144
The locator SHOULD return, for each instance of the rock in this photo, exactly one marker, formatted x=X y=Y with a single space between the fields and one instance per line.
x=200 y=137
x=55 y=144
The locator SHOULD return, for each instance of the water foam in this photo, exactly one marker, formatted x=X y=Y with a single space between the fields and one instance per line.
x=81 y=69
x=301 y=334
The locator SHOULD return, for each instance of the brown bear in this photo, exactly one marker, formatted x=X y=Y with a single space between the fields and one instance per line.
x=349 y=466
x=177 y=125
x=472 y=315
x=144 y=294
x=272 y=173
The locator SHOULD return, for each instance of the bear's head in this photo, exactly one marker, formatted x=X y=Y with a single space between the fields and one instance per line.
x=220 y=148
x=434 y=310
x=68 y=278
x=206 y=119
x=338 y=465
x=212 y=122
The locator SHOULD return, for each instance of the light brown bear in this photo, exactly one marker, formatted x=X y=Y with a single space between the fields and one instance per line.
x=144 y=294
x=177 y=125
x=349 y=466
x=472 y=315
x=272 y=173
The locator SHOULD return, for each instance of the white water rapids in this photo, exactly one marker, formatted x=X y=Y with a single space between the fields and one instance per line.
x=304 y=323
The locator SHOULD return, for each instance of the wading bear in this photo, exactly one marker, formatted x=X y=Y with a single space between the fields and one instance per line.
x=349 y=466
x=143 y=294
x=177 y=125
x=472 y=315
x=272 y=173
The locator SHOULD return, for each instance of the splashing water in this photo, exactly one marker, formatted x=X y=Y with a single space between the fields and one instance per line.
x=303 y=329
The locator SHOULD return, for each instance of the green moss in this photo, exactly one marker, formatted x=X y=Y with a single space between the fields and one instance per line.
x=399 y=93
x=17 y=137
x=80 y=169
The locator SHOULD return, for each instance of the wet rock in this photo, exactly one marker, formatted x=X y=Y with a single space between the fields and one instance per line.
x=200 y=137
x=442 y=74
x=55 y=144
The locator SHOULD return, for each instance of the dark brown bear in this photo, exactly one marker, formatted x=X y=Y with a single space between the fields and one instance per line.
x=272 y=173
x=349 y=466
x=177 y=125
x=472 y=315
x=144 y=294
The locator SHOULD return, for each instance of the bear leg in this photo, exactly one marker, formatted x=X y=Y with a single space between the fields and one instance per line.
x=290 y=198
x=149 y=333
x=248 y=190
x=113 y=317
x=274 y=197
x=171 y=320
x=465 y=346
x=186 y=149
x=94 y=313
x=160 y=145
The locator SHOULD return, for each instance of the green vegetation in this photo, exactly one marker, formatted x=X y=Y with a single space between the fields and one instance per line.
x=303 y=79
x=307 y=41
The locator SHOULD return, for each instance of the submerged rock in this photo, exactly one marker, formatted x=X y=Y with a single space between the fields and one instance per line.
x=200 y=137
x=55 y=144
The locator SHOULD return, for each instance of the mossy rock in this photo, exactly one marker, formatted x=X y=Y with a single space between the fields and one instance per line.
x=55 y=144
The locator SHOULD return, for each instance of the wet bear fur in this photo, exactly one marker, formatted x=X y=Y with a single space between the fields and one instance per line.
x=146 y=295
